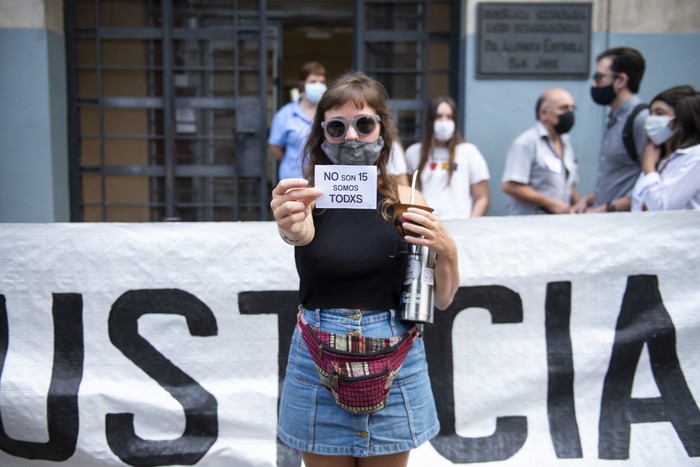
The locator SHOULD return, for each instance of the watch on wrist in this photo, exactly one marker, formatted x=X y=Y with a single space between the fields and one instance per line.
x=611 y=207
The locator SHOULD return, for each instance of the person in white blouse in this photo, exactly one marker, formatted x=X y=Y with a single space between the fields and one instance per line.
x=454 y=176
x=670 y=178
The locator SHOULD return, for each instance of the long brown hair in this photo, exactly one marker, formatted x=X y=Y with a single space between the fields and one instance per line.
x=362 y=91
x=427 y=146
x=688 y=115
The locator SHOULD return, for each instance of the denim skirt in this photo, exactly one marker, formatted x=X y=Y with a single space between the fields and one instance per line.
x=311 y=421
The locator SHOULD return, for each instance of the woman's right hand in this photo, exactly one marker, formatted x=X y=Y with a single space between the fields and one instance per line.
x=292 y=201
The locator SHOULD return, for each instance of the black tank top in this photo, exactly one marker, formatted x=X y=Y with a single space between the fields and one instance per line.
x=356 y=260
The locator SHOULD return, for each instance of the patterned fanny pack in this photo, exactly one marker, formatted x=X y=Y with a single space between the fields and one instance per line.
x=358 y=371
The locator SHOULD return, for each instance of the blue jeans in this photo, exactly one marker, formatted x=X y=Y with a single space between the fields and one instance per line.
x=309 y=418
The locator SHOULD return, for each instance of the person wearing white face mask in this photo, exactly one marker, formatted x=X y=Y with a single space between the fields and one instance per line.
x=670 y=178
x=292 y=123
x=454 y=176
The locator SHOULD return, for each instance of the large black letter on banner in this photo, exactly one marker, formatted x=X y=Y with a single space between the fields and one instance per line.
x=201 y=423
x=644 y=319
x=62 y=405
x=505 y=306
x=561 y=408
x=282 y=303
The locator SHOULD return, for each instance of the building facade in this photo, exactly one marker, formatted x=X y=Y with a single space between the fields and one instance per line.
x=154 y=110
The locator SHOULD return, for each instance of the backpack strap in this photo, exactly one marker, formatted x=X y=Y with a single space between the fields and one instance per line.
x=628 y=131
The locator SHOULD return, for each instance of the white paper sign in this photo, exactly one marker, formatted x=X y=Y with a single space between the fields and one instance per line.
x=347 y=186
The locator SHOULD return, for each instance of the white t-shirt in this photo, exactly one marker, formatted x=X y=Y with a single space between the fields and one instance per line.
x=453 y=200
x=397 y=160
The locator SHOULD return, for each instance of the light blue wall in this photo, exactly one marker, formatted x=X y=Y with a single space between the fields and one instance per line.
x=498 y=110
x=33 y=125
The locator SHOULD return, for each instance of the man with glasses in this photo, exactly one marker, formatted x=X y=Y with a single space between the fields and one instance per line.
x=541 y=170
x=618 y=74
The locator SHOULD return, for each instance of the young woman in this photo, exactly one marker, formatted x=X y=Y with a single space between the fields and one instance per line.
x=351 y=264
x=670 y=178
x=454 y=176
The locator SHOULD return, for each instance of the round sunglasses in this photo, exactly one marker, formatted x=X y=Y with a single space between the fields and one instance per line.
x=337 y=127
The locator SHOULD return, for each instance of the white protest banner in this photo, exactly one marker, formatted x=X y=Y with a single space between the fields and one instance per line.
x=346 y=186
x=572 y=341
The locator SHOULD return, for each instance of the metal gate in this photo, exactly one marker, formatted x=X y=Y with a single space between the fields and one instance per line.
x=170 y=100
x=168 y=108
x=412 y=47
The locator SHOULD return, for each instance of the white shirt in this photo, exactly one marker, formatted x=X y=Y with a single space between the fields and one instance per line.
x=397 y=160
x=675 y=187
x=451 y=200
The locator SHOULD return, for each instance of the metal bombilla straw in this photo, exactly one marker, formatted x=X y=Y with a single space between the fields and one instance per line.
x=413 y=186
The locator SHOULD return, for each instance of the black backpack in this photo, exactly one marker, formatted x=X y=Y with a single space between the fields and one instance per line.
x=628 y=132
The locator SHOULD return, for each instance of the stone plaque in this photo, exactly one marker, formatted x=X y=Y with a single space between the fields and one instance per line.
x=534 y=40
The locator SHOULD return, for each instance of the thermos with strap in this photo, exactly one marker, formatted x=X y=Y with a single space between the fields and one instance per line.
x=417 y=297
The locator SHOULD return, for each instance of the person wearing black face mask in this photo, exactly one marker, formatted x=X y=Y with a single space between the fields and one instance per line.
x=615 y=83
x=541 y=170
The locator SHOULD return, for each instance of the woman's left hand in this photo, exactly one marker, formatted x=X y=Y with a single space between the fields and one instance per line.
x=431 y=232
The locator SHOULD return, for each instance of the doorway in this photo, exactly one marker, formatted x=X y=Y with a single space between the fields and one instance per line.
x=328 y=41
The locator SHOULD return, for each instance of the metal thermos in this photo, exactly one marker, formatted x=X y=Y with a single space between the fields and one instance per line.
x=417 y=296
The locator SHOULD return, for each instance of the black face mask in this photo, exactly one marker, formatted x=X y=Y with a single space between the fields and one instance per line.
x=603 y=95
x=353 y=152
x=566 y=121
